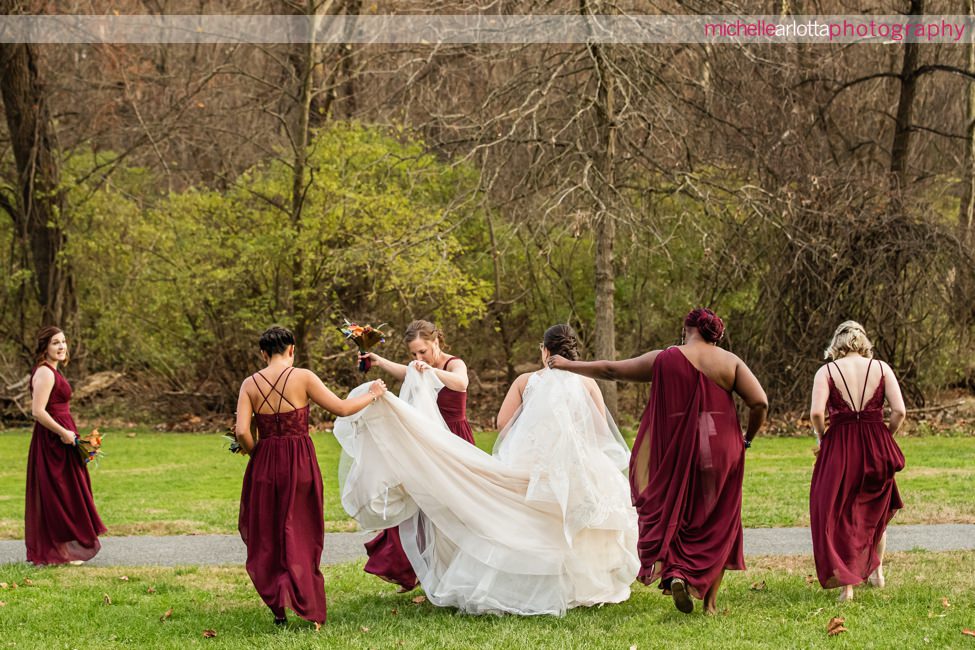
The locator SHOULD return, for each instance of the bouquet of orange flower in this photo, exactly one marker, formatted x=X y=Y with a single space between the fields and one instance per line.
x=365 y=337
x=90 y=447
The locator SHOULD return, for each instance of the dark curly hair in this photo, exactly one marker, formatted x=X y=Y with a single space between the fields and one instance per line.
x=275 y=340
x=562 y=340
x=707 y=323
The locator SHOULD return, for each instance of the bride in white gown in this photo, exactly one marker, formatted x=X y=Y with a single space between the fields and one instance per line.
x=542 y=525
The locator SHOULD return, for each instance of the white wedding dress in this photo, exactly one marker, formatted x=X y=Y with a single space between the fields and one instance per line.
x=543 y=525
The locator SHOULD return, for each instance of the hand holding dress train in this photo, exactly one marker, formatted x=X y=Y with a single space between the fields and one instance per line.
x=525 y=532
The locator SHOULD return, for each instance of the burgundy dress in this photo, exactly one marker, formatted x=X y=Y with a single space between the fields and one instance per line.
x=453 y=408
x=281 y=510
x=60 y=523
x=686 y=471
x=386 y=556
x=853 y=495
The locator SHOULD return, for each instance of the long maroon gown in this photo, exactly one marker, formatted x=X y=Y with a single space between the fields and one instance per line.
x=853 y=494
x=281 y=511
x=686 y=470
x=60 y=524
x=386 y=556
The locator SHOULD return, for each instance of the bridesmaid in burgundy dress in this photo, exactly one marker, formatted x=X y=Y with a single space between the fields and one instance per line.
x=281 y=510
x=426 y=344
x=687 y=462
x=853 y=493
x=61 y=523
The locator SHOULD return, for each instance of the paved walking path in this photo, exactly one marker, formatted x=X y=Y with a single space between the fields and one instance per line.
x=346 y=547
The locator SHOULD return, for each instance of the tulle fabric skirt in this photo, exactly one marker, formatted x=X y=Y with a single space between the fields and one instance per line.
x=487 y=536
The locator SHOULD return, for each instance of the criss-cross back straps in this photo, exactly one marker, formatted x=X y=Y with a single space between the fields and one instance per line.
x=286 y=373
x=866 y=377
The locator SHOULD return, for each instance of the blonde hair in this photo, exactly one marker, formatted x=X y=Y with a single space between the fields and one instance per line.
x=424 y=329
x=849 y=337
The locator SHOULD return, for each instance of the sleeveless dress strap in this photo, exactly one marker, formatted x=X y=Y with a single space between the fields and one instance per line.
x=866 y=378
x=845 y=385
x=30 y=382
x=283 y=387
x=258 y=385
x=447 y=362
x=274 y=389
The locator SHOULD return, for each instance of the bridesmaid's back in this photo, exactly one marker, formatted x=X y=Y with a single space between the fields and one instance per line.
x=862 y=376
x=292 y=382
x=717 y=364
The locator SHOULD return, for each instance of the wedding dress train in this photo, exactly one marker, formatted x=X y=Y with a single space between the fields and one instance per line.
x=543 y=525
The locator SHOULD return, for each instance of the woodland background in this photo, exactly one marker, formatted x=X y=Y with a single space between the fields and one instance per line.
x=165 y=203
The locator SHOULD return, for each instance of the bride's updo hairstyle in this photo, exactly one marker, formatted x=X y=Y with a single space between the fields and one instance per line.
x=849 y=337
x=562 y=340
x=707 y=323
x=424 y=329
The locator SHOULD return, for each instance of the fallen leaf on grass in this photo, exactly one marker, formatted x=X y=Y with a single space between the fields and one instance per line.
x=758 y=586
x=363 y=629
x=2 y=604
x=933 y=615
x=968 y=632
x=168 y=614
x=810 y=579
x=3 y=585
x=130 y=435
x=124 y=578
x=150 y=590
x=633 y=647
x=944 y=602
x=28 y=582
x=835 y=626
x=394 y=611
x=209 y=634
x=106 y=599
x=419 y=599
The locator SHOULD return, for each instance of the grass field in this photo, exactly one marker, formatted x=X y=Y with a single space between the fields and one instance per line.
x=928 y=602
x=167 y=483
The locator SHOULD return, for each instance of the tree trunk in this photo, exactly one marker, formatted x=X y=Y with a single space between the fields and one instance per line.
x=966 y=215
x=605 y=327
x=41 y=205
x=498 y=307
x=303 y=60
x=900 y=149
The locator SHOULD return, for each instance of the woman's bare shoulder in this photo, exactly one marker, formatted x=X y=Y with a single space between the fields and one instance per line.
x=43 y=370
x=42 y=373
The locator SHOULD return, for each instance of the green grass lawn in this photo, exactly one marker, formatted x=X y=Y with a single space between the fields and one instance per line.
x=168 y=483
x=85 y=607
